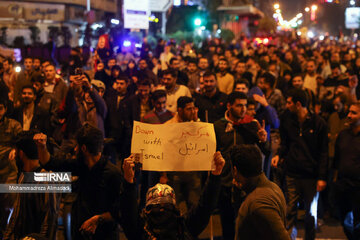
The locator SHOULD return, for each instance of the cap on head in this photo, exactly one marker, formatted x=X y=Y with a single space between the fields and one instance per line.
x=160 y=194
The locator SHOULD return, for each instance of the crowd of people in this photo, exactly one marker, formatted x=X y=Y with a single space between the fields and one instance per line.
x=286 y=112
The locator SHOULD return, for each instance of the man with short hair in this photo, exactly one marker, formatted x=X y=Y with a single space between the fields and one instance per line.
x=193 y=74
x=53 y=84
x=28 y=114
x=233 y=129
x=173 y=90
x=37 y=64
x=181 y=77
x=32 y=212
x=186 y=184
x=304 y=151
x=225 y=80
x=298 y=82
x=347 y=172
x=9 y=74
x=262 y=214
x=159 y=114
x=335 y=79
x=137 y=106
x=203 y=64
x=23 y=78
x=146 y=73
x=99 y=184
x=273 y=96
x=310 y=76
x=211 y=102
x=116 y=123
x=242 y=85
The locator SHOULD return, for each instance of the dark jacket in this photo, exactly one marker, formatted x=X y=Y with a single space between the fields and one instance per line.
x=133 y=107
x=40 y=120
x=304 y=147
x=347 y=155
x=245 y=133
x=194 y=222
x=98 y=190
x=262 y=215
x=214 y=106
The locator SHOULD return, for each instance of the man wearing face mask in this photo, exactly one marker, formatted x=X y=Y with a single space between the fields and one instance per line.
x=97 y=188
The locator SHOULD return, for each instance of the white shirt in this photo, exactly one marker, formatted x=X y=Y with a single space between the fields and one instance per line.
x=173 y=96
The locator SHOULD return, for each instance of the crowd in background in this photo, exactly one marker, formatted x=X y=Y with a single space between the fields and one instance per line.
x=302 y=92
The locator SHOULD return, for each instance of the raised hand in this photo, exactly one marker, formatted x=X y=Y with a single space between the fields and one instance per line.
x=262 y=134
x=128 y=168
x=40 y=139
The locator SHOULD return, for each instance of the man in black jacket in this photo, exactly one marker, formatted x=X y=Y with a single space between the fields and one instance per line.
x=347 y=165
x=304 y=150
x=98 y=187
x=29 y=115
x=234 y=129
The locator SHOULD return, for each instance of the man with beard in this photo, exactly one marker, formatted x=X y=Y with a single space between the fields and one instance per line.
x=347 y=166
x=29 y=114
x=233 y=129
x=146 y=73
x=181 y=77
x=98 y=186
x=225 y=80
x=273 y=96
x=173 y=90
x=211 y=102
x=310 y=76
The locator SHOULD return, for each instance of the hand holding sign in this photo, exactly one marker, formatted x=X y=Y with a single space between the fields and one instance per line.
x=175 y=147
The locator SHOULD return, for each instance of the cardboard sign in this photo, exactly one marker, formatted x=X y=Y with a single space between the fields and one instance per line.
x=186 y=146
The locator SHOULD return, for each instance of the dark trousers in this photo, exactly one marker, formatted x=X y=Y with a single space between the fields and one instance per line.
x=305 y=190
x=347 y=200
x=227 y=213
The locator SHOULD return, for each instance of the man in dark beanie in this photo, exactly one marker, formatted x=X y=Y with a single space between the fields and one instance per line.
x=262 y=214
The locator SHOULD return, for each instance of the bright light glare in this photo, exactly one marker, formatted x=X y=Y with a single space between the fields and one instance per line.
x=278 y=11
x=115 y=21
x=218 y=31
x=310 y=34
x=314 y=7
x=127 y=43
x=18 y=69
x=197 y=21
x=177 y=2
x=275 y=15
x=299 y=33
x=202 y=28
x=266 y=41
x=352 y=2
x=321 y=37
x=299 y=15
x=307 y=9
x=276 y=6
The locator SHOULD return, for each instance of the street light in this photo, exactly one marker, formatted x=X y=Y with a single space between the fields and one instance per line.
x=352 y=2
x=276 y=6
x=299 y=15
x=314 y=7
x=278 y=11
x=307 y=9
